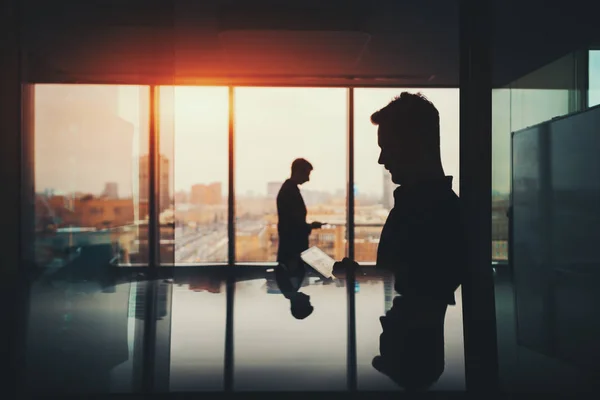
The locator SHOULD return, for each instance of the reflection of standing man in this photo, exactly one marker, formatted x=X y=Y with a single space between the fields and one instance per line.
x=291 y=212
x=290 y=278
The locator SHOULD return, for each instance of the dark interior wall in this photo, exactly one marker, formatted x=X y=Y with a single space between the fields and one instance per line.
x=530 y=34
x=382 y=38
x=10 y=178
x=417 y=42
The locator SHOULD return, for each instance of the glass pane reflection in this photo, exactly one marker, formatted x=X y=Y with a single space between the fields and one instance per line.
x=275 y=351
x=86 y=315
x=198 y=333
x=84 y=335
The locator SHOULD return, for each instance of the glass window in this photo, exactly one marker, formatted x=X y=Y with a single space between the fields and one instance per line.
x=532 y=99
x=594 y=78
x=88 y=139
x=528 y=294
x=501 y=112
x=85 y=321
x=273 y=127
x=194 y=140
x=373 y=186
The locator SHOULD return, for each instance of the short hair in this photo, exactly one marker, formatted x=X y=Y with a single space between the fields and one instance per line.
x=411 y=114
x=300 y=164
x=300 y=306
x=301 y=312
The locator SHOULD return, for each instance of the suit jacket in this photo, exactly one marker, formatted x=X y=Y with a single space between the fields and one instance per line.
x=292 y=227
x=423 y=241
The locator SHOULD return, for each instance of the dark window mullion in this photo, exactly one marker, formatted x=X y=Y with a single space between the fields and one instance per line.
x=153 y=186
x=230 y=286
x=478 y=302
x=231 y=187
x=350 y=272
x=149 y=344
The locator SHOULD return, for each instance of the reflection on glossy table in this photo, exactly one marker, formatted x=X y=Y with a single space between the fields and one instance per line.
x=85 y=335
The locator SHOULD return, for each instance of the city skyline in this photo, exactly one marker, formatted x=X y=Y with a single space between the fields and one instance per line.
x=194 y=129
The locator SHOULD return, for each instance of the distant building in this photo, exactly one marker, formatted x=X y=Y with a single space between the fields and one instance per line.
x=314 y=197
x=111 y=190
x=87 y=211
x=273 y=189
x=80 y=140
x=182 y=197
x=206 y=194
x=164 y=184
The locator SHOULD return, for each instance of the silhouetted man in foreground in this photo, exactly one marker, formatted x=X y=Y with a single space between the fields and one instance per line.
x=422 y=240
x=291 y=211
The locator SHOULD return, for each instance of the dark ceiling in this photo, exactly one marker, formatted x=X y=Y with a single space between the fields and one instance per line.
x=301 y=42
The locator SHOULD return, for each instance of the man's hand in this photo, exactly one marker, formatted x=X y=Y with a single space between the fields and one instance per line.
x=345 y=263
x=316 y=225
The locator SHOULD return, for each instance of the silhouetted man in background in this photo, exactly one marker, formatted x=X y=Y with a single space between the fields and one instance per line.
x=291 y=211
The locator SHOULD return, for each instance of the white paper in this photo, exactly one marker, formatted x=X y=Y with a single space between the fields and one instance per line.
x=319 y=260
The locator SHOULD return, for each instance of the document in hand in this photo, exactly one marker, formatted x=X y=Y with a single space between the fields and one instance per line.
x=320 y=261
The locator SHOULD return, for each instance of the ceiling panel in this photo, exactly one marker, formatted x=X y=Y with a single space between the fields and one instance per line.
x=184 y=41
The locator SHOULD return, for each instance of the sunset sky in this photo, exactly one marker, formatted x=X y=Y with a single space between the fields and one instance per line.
x=276 y=125
x=273 y=126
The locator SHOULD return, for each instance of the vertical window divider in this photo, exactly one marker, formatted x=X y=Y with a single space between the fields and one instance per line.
x=149 y=344
x=478 y=299
x=230 y=285
x=153 y=186
x=582 y=77
x=230 y=180
x=350 y=272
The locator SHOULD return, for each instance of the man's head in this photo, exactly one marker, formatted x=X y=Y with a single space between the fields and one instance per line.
x=409 y=137
x=301 y=170
x=300 y=305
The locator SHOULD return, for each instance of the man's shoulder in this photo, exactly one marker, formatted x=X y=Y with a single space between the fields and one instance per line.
x=283 y=188
x=287 y=184
x=288 y=187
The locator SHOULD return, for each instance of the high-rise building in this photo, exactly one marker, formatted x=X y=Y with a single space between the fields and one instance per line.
x=164 y=186
x=80 y=140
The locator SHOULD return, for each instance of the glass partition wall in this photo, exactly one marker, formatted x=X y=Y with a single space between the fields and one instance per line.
x=196 y=215
x=186 y=177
